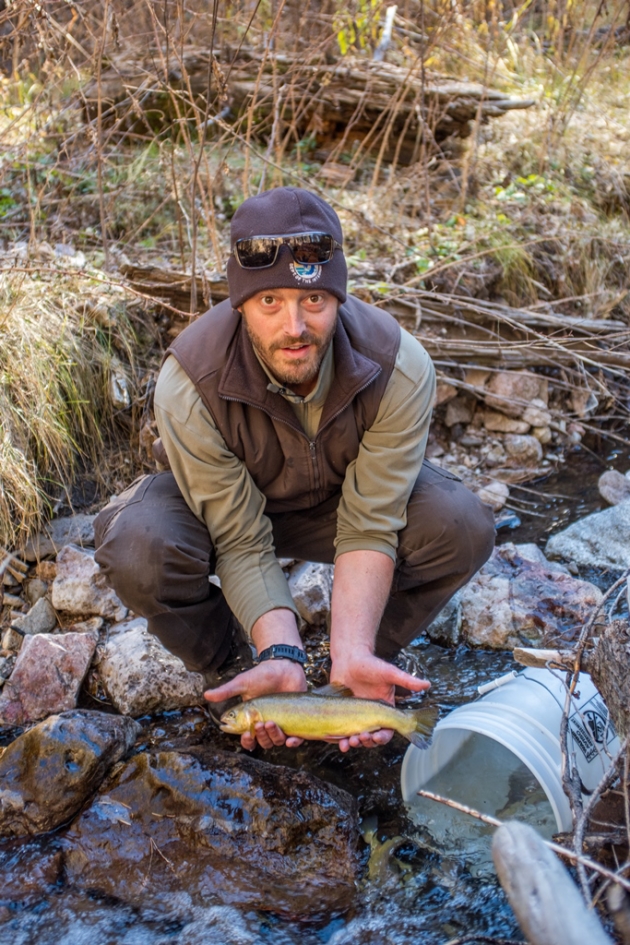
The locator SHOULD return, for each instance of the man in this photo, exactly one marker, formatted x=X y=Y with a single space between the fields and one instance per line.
x=294 y=419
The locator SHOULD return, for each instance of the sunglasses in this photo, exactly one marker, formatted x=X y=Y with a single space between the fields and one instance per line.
x=307 y=249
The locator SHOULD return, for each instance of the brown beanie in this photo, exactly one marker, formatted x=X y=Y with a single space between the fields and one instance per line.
x=281 y=212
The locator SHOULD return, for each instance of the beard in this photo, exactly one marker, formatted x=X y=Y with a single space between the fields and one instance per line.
x=300 y=371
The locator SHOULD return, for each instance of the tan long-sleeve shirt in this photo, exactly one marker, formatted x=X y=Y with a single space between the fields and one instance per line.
x=219 y=490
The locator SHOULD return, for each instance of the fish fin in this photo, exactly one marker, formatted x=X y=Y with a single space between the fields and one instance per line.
x=425 y=720
x=333 y=689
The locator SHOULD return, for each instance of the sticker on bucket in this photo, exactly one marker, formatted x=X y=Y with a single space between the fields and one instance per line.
x=591 y=727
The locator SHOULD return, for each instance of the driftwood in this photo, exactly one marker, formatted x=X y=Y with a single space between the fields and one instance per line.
x=452 y=328
x=392 y=109
x=545 y=900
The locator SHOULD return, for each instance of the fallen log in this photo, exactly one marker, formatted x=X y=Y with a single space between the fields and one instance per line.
x=609 y=667
x=545 y=900
x=385 y=106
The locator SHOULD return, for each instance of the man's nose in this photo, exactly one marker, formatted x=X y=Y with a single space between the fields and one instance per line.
x=294 y=324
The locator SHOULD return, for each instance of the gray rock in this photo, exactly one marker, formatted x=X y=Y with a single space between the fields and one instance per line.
x=48 y=773
x=34 y=590
x=47 y=676
x=518 y=599
x=217 y=824
x=460 y=410
x=311 y=589
x=445 y=629
x=614 y=487
x=600 y=540
x=41 y=618
x=80 y=588
x=7 y=664
x=139 y=675
x=76 y=529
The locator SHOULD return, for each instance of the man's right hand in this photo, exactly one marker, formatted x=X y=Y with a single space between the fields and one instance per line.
x=268 y=677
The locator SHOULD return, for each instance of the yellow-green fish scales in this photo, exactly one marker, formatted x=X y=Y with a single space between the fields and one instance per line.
x=312 y=716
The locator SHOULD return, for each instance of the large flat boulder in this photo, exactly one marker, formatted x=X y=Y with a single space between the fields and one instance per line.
x=218 y=825
x=48 y=674
x=600 y=540
x=47 y=773
x=519 y=597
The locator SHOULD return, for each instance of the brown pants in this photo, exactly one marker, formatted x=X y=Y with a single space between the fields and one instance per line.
x=158 y=556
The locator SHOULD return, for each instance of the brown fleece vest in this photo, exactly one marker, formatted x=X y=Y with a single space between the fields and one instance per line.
x=261 y=428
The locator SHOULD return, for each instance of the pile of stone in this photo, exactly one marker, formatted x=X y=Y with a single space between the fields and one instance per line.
x=64 y=628
x=500 y=429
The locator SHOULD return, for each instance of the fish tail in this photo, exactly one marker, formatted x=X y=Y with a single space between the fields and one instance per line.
x=423 y=721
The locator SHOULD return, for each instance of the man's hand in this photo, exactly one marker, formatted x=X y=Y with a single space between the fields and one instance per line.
x=270 y=676
x=372 y=678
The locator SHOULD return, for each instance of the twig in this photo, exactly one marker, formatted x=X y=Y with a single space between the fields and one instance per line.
x=556 y=847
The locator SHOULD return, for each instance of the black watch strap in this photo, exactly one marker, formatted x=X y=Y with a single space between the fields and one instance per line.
x=282 y=651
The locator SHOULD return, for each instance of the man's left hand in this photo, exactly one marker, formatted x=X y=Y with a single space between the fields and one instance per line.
x=372 y=678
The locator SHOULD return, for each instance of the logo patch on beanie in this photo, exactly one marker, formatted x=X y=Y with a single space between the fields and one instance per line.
x=305 y=273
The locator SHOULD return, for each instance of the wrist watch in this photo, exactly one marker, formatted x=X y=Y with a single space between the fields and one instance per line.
x=282 y=651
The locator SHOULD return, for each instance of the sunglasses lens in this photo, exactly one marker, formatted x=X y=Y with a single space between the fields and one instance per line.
x=257 y=253
x=312 y=248
x=308 y=249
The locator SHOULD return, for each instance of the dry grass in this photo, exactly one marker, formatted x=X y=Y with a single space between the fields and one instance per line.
x=63 y=341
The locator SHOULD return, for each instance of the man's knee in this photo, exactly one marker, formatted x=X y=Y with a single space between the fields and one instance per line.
x=149 y=549
x=449 y=530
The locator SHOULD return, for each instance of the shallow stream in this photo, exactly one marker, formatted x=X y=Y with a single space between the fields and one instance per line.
x=429 y=879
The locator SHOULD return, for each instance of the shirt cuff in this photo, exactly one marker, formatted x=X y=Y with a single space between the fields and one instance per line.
x=365 y=544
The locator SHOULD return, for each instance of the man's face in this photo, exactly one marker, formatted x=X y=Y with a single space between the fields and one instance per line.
x=291 y=330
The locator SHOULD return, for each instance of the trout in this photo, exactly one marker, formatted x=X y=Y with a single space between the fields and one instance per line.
x=330 y=712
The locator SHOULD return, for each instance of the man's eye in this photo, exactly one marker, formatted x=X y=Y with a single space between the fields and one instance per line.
x=315 y=299
x=268 y=300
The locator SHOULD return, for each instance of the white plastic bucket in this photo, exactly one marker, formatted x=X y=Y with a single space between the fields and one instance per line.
x=523 y=713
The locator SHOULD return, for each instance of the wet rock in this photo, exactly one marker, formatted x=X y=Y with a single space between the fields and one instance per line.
x=80 y=588
x=76 y=529
x=599 y=540
x=140 y=676
x=28 y=873
x=523 y=450
x=47 y=774
x=500 y=423
x=47 y=676
x=214 y=824
x=614 y=487
x=517 y=599
x=511 y=392
x=41 y=618
x=311 y=589
x=445 y=629
x=495 y=494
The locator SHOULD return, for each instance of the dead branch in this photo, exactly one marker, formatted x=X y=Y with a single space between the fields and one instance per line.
x=543 y=896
